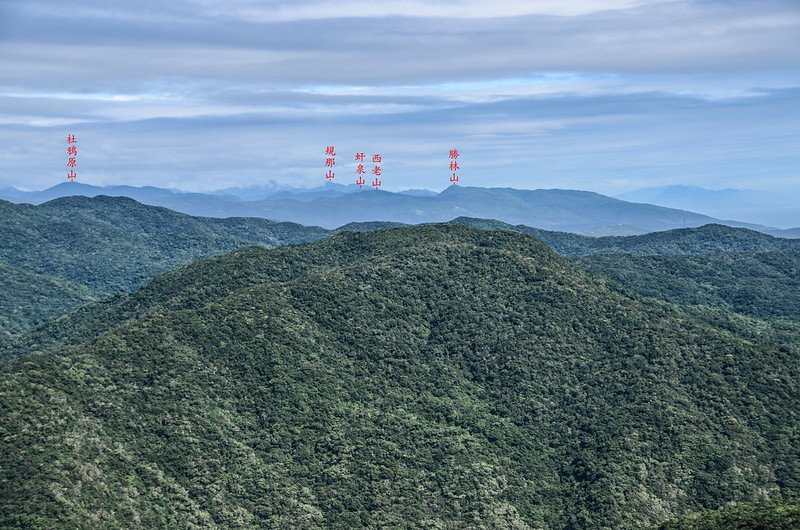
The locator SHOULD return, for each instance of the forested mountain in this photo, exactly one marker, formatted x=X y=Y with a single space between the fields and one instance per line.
x=426 y=377
x=60 y=254
x=706 y=239
x=87 y=238
x=27 y=298
x=730 y=268
x=764 y=285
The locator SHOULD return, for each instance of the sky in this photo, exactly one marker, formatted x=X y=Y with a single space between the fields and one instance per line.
x=607 y=96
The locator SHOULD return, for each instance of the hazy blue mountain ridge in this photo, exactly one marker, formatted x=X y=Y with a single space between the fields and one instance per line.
x=772 y=208
x=334 y=205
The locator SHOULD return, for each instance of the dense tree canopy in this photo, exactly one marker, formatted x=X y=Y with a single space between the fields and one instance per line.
x=57 y=256
x=427 y=377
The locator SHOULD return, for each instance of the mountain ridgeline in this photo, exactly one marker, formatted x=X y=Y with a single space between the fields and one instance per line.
x=733 y=269
x=334 y=205
x=420 y=377
x=59 y=255
x=772 y=208
x=706 y=239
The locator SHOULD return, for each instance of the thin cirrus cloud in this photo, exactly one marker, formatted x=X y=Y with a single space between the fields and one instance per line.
x=597 y=95
x=310 y=10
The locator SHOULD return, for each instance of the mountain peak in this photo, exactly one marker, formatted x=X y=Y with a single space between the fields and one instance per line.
x=453 y=374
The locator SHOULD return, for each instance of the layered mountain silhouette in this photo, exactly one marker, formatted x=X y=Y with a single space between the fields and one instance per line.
x=61 y=254
x=706 y=239
x=335 y=205
x=771 y=208
x=436 y=376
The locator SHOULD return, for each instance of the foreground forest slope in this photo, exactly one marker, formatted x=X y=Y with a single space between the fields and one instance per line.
x=426 y=377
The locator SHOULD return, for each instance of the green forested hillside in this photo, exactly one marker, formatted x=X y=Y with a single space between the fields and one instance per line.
x=706 y=239
x=115 y=243
x=27 y=299
x=718 y=266
x=64 y=252
x=75 y=249
x=765 y=285
x=427 y=377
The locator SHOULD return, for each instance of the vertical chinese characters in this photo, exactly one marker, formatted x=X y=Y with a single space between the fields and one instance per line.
x=72 y=157
x=454 y=167
x=330 y=161
x=360 y=170
x=376 y=170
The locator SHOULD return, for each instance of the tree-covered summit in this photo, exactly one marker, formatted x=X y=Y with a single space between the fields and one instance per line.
x=437 y=376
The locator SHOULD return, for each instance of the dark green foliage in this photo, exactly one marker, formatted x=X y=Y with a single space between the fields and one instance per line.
x=114 y=243
x=761 y=284
x=428 y=377
x=774 y=515
x=29 y=299
x=707 y=239
x=729 y=268
x=78 y=248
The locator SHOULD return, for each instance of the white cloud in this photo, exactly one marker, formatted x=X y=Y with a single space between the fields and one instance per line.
x=458 y=9
x=564 y=90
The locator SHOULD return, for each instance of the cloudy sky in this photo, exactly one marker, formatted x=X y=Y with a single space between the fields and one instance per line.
x=607 y=95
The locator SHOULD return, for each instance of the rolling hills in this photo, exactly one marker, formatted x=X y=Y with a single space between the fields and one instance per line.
x=706 y=239
x=437 y=376
x=63 y=253
x=713 y=265
x=60 y=254
x=764 y=285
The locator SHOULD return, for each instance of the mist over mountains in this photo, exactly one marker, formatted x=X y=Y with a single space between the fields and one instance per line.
x=334 y=205
x=772 y=208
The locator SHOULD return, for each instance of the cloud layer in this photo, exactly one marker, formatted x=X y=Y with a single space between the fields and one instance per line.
x=596 y=95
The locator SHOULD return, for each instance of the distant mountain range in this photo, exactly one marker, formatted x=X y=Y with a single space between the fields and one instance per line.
x=335 y=205
x=780 y=209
